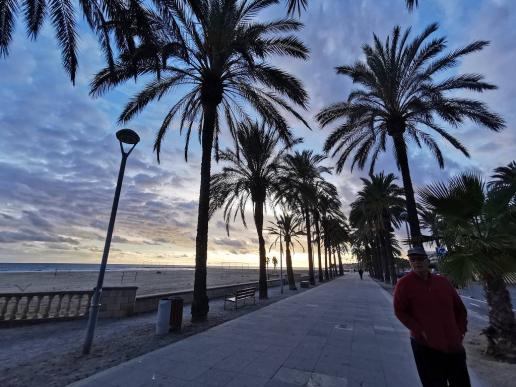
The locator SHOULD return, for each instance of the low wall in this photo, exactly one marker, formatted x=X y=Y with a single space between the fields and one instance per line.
x=117 y=301
x=149 y=303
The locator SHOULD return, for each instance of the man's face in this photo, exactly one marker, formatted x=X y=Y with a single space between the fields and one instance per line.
x=419 y=263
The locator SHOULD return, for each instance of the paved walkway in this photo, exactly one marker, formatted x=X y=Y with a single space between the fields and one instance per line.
x=342 y=333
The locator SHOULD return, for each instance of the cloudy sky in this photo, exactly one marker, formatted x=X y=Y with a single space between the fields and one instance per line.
x=59 y=157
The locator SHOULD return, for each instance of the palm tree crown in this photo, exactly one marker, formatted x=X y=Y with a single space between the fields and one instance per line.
x=400 y=99
x=223 y=63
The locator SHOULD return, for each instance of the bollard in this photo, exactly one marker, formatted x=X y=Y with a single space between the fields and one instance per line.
x=176 y=315
x=163 y=317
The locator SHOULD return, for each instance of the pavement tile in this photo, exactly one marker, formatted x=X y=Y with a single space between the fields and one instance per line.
x=242 y=380
x=293 y=376
x=321 y=380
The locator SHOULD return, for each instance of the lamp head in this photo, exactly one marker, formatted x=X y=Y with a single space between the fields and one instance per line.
x=128 y=136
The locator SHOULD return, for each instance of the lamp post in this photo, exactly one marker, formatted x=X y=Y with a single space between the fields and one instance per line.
x=129 y=137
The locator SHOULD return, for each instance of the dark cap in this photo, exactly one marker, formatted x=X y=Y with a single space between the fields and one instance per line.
x=416 y=251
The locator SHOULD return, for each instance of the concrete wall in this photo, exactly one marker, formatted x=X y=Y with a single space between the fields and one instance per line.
x=117 y=301
x=149 y=303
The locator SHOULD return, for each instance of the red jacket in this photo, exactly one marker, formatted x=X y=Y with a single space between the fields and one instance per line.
x=431 y=306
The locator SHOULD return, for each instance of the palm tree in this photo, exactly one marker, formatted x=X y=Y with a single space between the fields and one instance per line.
x=480 y=235
x=379 y=207
x=224 y=66
x=504 y=183
x=275 y=262
x=326 y=201
x=251 y=173
x=401 y=100
x=299 y=176
x=119 y=22
x=287 y=228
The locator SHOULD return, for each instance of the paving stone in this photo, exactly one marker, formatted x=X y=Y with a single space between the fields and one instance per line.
x=321 y=380
x=293 y=376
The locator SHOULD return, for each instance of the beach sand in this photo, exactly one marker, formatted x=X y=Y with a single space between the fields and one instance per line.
x=148 y=281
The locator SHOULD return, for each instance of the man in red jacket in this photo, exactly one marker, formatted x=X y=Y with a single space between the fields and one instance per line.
x=430 y=307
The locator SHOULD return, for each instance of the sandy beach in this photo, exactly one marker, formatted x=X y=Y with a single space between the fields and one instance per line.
x=149 y=281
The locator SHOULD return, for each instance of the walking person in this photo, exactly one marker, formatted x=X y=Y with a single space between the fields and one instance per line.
x=429 y=306
x=360 y=273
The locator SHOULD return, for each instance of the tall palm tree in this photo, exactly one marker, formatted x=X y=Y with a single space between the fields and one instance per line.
x=224 y=66
x=299 y=176
x=480 y=235
x=401 y=99
x=251 y=173
x=287 y=228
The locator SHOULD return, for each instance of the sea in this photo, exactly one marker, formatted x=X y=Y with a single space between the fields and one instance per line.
x=52 y=267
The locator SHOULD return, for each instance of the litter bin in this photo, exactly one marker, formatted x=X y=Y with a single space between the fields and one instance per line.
x=163 y=317
x=176 y=313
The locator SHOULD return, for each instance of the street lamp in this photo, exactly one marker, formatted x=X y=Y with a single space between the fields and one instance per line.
x=128 y=137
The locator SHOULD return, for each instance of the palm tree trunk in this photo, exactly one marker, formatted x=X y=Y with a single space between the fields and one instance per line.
x=381 y=264
x=309 y=247
x=258 y=221
x=200 y=305
x=290 y=271
x=501 y=333
x=401 y=156
x=341 y=267
x=385 y=259
x=326 y=272
x=318 y=232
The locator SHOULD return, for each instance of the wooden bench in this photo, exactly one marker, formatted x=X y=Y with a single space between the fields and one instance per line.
x=304 y=284
x=239 y=295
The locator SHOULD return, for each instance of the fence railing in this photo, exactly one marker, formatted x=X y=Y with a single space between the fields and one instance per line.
x=44 y=305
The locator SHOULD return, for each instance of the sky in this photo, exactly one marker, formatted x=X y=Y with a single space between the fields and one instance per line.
x=59 y=157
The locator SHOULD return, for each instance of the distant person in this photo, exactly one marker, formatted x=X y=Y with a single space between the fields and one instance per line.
x=360 y=273
x=429 y=306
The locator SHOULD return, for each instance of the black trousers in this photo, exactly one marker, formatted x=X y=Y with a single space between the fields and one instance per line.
x=440 y=369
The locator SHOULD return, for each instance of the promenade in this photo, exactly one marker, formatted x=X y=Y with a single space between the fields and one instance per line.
x=342 y=333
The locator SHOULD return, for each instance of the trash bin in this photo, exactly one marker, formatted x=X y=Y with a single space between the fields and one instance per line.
x=176 y=313
x=163 y=317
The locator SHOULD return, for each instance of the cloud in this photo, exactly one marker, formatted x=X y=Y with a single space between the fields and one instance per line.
x=59 y=158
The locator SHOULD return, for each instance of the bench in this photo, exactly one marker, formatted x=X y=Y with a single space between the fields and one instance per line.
x=239 y=295
x=304 y=284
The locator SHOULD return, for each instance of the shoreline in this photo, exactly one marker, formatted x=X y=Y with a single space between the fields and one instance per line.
x=148 y=281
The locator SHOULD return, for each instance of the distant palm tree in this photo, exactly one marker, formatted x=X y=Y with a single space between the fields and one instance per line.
x=299 y=176
x=326 y=201
x=381 y=202
x=251 y=172
x=480 y=235
x=400 y=99
x=275 y=262
x=224 y=66
x=287 y=228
